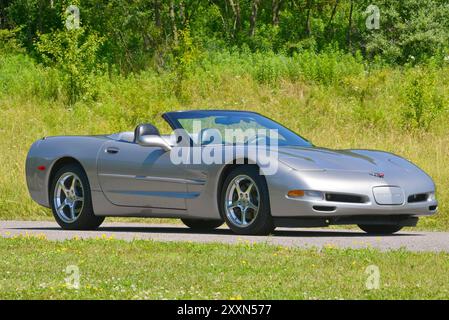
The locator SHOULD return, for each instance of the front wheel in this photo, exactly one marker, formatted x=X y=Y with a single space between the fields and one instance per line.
x=71 y=200
x=379 y=228
x=244 y=202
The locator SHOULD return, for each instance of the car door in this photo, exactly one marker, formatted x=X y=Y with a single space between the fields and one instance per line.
x=134 y=175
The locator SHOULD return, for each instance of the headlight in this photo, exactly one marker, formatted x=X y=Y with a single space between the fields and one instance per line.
x=432 y=196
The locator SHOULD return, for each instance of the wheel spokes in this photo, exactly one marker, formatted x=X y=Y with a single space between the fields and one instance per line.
x=72 y=211
x=252 y=206
x=62 y=206
x=72 y=186
x=244 y=216
x=233 y=204
x=250 y=187
x=237 y=187
x=63 y=187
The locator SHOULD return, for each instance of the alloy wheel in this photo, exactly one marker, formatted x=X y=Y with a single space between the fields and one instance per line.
x=242 y=201
x=68 y=197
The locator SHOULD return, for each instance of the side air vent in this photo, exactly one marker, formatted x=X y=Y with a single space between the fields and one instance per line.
x=324 y=208
x=419 y=197
x=341 y=197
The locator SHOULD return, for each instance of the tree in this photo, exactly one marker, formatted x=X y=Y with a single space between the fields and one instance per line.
x=334 y=10
x=348 y=38
x=275 y=8
x=174 y=28
x=309 y=9
x=253 y=17
x=235 y=6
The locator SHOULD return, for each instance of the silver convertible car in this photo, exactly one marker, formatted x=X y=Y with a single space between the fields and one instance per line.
x=204 y=176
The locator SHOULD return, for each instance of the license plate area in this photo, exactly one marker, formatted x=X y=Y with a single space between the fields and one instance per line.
x=388 y=195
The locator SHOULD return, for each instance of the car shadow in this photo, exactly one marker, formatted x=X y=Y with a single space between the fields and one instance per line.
x=224 y=231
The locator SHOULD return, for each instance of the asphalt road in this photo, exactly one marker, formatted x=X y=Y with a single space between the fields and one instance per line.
x=304 y=238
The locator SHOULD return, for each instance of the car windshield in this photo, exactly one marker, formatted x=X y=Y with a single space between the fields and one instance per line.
x=233 y=127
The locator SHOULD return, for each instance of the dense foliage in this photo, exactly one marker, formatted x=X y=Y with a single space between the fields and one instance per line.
x=85 y=37
x=142 y=33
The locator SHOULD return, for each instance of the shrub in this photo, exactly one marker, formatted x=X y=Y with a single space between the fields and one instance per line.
x=74 y=54
x=424 y=102
x=9 y=43
x=270 y=68
x=328 y=67
x=20 y=76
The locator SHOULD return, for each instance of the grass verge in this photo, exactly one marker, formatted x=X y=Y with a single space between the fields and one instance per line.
x=35 y=268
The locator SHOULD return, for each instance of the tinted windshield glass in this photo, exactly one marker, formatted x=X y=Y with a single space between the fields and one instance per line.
x=233 y=127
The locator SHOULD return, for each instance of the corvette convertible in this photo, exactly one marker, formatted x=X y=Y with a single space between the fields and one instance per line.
x=142 y=173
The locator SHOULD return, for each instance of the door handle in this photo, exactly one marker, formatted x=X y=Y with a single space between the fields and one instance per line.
x=112 y=150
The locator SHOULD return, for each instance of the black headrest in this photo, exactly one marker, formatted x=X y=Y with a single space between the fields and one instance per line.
x=145 y=129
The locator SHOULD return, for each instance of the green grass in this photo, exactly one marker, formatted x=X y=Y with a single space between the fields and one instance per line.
x=35 y=268
x=335 y=101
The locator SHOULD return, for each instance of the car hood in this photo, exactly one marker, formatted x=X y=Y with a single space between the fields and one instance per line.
x=299 y=158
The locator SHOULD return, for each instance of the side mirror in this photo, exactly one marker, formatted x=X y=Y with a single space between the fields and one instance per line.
x=147 y=135
x=153 y=141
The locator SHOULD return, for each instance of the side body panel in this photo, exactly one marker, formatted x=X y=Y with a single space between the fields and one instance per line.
x=139 y=176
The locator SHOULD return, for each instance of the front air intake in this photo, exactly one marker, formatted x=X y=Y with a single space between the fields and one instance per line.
x=342 y=197
x=419 y=197
x=324 y=208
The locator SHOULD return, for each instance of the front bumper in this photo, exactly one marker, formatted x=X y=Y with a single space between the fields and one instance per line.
x=349 y=183
x=304 y=222
x=321 y=208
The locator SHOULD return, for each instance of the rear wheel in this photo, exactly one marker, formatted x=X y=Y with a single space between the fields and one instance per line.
x=379 y=229
x=201 y=224
x=71 y=200
x=244 y=202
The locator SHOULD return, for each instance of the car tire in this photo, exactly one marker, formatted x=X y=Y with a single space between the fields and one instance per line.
x=380 y=229
x=245 y=209
x=202 y=224
x=71 y=200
